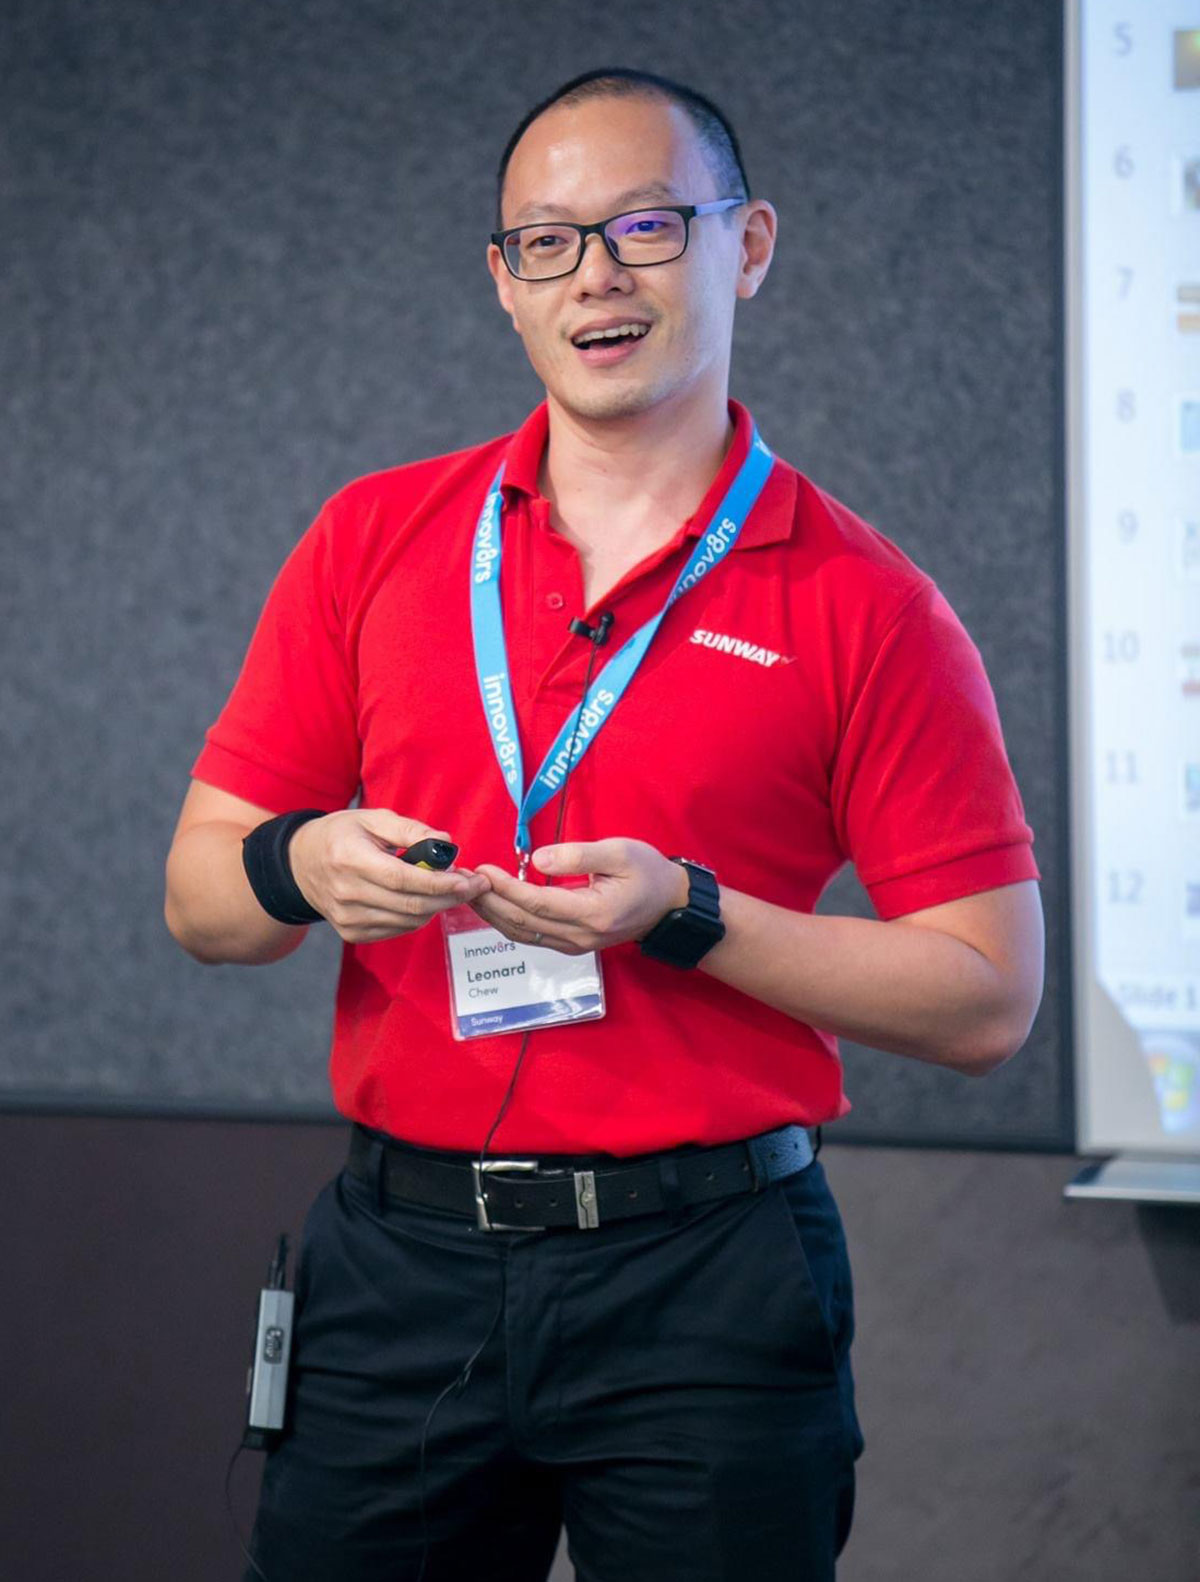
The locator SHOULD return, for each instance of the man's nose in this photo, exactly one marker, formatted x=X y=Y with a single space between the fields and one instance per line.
x=598 y=269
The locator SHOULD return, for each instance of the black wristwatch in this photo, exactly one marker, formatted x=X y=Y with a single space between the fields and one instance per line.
x=685 y=934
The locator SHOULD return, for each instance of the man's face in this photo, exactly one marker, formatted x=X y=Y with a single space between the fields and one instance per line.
x=586 y=163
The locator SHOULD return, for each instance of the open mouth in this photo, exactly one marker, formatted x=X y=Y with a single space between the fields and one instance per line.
x=599 y=347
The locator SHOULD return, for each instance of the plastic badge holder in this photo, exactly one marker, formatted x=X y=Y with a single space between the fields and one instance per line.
x=498 y=986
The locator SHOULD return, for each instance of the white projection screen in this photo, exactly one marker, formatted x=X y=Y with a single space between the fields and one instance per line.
x=1133 y=491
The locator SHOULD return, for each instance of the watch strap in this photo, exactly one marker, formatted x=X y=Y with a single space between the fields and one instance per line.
x=687 y=933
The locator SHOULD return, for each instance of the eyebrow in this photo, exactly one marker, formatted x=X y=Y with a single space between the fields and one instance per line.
x=555 y=211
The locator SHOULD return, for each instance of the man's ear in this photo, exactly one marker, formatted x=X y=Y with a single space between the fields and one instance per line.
x=503 y=279
x=758 y=245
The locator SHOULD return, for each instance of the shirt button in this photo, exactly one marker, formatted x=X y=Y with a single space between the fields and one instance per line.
x=554 y=601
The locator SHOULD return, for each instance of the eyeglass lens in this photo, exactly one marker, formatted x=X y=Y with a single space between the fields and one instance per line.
x=651 y=236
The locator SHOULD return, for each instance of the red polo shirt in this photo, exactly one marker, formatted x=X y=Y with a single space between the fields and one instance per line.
x=815 y=700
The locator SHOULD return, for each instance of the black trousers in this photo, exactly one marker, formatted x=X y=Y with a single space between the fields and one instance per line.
x=674 y=1389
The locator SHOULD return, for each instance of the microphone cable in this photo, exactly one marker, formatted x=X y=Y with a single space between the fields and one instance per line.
x=596 y=635
x=233 y=1516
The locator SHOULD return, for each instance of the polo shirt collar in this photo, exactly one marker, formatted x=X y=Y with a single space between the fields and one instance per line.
x=770 y=522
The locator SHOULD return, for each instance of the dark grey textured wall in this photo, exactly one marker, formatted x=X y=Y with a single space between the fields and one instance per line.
x=214 y=316
x=210 y=322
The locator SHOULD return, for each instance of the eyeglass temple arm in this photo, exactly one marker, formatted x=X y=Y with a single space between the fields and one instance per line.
x=718 y=205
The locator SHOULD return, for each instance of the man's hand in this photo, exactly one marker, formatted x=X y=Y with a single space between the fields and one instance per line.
x=631 y=886
x=346 y=866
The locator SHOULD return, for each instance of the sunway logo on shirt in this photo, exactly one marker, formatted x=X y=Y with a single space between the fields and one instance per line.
x=738 y=645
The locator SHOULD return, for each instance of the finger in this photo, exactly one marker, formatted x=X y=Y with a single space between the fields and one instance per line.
x=509 y=919
x=411 y=902
x=394 y=829
x=406 y=878
x=546 y=904
x=356 y=917
x=358 y=851
x=366 y=924
x=390 y=910
x=374 y=840
x=517 y=923
x=582 y=856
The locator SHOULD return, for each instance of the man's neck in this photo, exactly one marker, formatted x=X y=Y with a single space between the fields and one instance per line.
x=634 y=479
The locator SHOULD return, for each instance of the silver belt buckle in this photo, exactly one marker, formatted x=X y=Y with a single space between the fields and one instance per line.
x=481 y=1209
x=585 y=1195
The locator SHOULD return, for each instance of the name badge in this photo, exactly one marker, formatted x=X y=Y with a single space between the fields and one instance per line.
x=498 y=986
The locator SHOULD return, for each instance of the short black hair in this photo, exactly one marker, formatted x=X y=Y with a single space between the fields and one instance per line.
x=717 y=136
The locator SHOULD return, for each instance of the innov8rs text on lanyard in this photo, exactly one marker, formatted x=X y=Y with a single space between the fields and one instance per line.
x=525 y=986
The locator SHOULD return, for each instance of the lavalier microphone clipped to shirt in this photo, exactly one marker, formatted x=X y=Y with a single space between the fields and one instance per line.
x=597 y=634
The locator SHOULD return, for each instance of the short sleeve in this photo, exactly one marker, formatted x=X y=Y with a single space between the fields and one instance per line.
x=924 y=799
x=287 y=736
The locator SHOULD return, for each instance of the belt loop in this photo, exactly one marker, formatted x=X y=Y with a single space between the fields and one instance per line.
x=377 y=1174
x=817 y=1145
x=668 y=1178
x=758 y=1175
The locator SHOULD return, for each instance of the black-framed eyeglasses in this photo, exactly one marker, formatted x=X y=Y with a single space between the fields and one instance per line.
x=637 y=239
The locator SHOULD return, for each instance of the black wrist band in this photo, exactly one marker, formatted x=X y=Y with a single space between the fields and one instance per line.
x=265 y=858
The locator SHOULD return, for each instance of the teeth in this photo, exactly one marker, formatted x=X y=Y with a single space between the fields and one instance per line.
x=636 y=330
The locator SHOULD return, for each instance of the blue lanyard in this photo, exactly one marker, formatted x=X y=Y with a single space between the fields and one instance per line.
x=583 y=724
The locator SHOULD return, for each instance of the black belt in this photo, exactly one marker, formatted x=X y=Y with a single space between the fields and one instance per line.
x=582 y=1193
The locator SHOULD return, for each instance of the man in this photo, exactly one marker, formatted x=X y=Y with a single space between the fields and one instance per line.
x=646 y=1337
